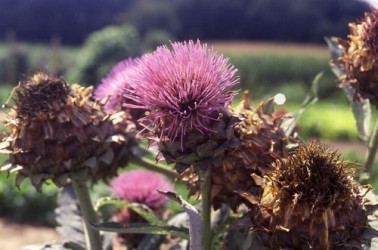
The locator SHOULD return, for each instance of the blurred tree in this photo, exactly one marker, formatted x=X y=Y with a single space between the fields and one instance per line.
x=283 y=20
x=102 y=50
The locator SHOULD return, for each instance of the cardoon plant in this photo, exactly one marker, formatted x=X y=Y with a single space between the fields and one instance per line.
x=185 y=91
x=310 y=201
x=55 y=131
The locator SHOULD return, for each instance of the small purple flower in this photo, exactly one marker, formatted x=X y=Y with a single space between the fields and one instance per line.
x=115 y=84
x=183 y=89
x=140 y=186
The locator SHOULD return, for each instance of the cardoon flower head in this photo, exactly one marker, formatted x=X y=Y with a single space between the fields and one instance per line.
x=360 y=58
x=141 y=186
x=55 y=130
x=184 y=89
x=310 y=201
x=115 y=83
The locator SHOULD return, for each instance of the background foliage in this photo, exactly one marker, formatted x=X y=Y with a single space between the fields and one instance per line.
x=284 y=20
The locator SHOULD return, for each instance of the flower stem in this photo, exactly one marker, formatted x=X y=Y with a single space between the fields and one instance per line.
x=206 y=210
x=92 y=237
x=148 y=164
x=372 y=151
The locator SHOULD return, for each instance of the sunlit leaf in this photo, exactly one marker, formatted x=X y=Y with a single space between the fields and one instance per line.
x=336 y=52
x=195 y=227
x=138 y=208
x=289 y=122
x=141 y=228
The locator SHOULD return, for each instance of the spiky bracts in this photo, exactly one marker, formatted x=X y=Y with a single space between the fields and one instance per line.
x=360 y=58
x=185 y=91
x=55 y=130
x=261 y=142
x=310 y=202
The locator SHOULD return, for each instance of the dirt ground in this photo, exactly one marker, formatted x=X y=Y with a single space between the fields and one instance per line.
x=14 y=236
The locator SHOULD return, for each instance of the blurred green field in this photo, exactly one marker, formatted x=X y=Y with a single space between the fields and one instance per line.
x=269 y=68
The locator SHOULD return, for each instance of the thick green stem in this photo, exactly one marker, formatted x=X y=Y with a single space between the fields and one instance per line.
x=206 y=210
x=147 y=164
x=372 y=151
x=92 y=237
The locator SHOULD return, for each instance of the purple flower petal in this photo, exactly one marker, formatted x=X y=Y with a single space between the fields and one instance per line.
x=184 y=89
x=116 y=83
x=141 y=186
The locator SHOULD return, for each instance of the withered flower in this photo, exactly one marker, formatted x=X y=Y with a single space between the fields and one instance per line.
x=311 y=202
x=185 y=91
x=262 y=141
x=361 y=58
x=55 y=130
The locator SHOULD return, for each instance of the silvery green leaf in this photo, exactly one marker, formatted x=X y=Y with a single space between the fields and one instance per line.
x=195 y=227
x=55 y=246
x=361 y=112
x=251 y=242
x=288 y=124
x=138 y=208
x=69 y=217
x=140 y=228
x=336 y=52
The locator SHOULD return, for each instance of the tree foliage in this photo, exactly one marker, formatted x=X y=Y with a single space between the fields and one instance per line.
x=288 y=20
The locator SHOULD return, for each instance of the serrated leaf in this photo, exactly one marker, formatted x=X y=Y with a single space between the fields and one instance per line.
x=251 y=242
x=138 y=208
x=195 y=223
x=361 y=112
x=141 y=228
x=289 y=123
x=69 y=217
x=57 y=246
x=334 y=47
x=337 y=51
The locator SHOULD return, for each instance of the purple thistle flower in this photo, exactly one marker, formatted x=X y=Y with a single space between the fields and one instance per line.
x=140 y=186
x=184 y=89
x=115 y=84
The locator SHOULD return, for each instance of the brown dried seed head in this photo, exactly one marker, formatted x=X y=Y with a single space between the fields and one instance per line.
x=55 y=130
x=41 y=93
x=310 y=200
x=360 y=58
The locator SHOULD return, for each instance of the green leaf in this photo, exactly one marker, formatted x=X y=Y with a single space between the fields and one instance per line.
x=141 y=228
x=289 y=123
x=336 y=52
x=138 y=208
x=195 y=227
x=361 y=112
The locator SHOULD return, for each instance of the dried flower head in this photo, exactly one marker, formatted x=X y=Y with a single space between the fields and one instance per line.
x=55 y=130
x=141 y=186
x=310 y=202
x=183 y=89
x=261 y=140
x=360 y=58
x=115 y=84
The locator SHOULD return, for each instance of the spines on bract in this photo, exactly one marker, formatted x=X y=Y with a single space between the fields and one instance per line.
x=360 y=58
x=185 y=91
x=310 y=201
x=260 y=142
x=55 y=129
